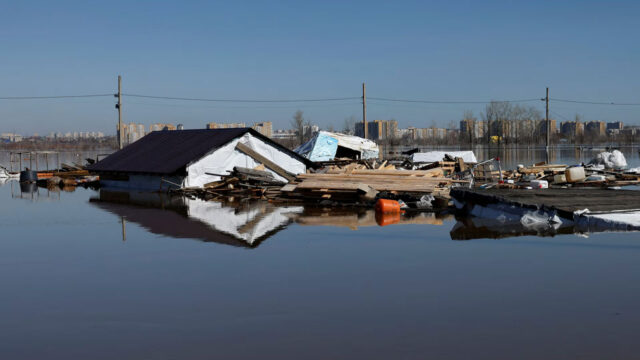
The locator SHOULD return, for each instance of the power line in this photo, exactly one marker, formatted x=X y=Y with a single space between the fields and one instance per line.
x=449 y=102
x=560 y=115
x=52 y=97
x=241 y=100
x=247 y=106
x=595 y=102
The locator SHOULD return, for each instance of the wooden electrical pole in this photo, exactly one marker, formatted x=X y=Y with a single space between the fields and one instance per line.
x=364 y=111
x=546 y=99
x=119 y=107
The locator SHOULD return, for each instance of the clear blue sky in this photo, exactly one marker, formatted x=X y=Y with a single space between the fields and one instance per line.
x=462 y=50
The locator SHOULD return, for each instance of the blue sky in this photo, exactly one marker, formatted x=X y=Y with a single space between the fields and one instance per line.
x=463 y=50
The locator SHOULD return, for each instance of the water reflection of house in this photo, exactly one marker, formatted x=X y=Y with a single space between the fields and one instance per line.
x=178 y=217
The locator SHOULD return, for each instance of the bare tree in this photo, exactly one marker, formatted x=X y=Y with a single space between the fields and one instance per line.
x=297 y=124
x=350 y=125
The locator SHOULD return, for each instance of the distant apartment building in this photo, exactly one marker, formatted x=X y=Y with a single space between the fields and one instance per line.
x=471 y=129
x=284 y=135
x=541 y=127
x=571 y=129
x=11 y=137
x=378 y=129
x=81 y=135
x=132 y=132
x=264 y=128
x=160 y=127
x=595 y=128
x=213 y=125
x=615 y=127
x=430 y=134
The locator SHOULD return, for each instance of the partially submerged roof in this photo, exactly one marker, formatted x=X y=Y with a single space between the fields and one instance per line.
x=168 y=152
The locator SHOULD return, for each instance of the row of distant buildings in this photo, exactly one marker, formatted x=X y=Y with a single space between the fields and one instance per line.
x=132 y=132
x=380 y=130
x=265 y=128
x=76 y=135
x=569 y=129
x=594 y=128
x=55 y=136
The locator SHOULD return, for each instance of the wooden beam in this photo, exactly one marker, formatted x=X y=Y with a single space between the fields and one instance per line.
x=266 y=162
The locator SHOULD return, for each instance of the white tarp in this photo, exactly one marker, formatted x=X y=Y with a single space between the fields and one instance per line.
x=435 y=156
x=610 y=160
x=323 y=148
x=612 y=221
x=222 y=161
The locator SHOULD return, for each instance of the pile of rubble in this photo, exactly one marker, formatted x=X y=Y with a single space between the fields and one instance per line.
x=605 y=171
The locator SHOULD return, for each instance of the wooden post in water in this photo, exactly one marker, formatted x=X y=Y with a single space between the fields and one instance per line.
x=364 y=111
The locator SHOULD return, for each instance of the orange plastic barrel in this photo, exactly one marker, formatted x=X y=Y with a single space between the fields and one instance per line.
x=385 y=206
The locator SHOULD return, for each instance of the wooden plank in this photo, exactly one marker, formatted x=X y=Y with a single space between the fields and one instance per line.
x=378 y=179
x=430 y=172
x=268 y=163
x=342 y=185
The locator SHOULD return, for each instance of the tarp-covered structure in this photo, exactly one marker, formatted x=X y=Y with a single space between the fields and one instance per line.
x=326 y=146
x=435 y=156
x=193 y=158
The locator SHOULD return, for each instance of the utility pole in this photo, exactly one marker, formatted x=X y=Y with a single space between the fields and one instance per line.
x=546 y=99
x=119 y=107
x=364 y=111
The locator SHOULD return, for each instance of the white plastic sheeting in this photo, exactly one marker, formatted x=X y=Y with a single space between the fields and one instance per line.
x=435 y=156
x=323 y=146
x=610 y=160
x=230 y=221
x=611 y=221
x=222 y=160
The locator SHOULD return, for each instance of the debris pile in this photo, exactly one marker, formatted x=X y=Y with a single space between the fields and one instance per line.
x=542 y=175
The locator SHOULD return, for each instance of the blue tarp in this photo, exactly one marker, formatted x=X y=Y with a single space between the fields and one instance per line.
x=321 y=148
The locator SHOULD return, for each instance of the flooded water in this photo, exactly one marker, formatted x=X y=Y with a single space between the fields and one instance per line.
x=104 y=275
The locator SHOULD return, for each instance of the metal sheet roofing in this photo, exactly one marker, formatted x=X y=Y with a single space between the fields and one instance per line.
x=168 y=152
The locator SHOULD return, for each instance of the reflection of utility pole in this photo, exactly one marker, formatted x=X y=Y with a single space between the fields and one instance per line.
x=124 y=229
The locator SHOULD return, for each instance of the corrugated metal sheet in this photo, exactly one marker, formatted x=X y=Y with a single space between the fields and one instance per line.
x=168 y=152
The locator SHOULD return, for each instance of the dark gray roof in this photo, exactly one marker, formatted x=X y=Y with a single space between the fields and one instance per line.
x=168 y=152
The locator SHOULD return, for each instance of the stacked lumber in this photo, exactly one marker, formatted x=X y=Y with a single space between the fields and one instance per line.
x=243 y=182
x=353 y=183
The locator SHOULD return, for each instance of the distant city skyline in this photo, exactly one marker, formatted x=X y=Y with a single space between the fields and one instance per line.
x=468 y=51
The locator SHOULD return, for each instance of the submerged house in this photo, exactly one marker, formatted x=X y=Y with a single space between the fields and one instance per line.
x=192 y=158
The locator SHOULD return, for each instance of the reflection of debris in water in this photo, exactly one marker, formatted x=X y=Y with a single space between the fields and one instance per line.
x=498 y=214
x=354 y=218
